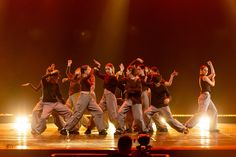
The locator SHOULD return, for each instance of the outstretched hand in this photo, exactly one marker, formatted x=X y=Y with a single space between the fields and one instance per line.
x=25 y=84
x=140 y=60
x=69 y=62
x=97 y=63
x=122 y=68
x=64 y=80
x=174 y=73
x=209 y=63
x=55 y=72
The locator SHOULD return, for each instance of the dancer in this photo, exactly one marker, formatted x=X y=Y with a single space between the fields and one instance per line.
x=205 y=104
x=160 y=126
x=160 y=104
x=108 y=101
x=37 y=110
x=51 y=94
x=85 y=101
x=133 y=87
x=74 y=92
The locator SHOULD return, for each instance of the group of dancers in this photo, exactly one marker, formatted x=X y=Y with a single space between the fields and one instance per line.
x=133 y=98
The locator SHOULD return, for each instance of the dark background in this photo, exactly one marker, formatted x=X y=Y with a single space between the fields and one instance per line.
x=171 y=34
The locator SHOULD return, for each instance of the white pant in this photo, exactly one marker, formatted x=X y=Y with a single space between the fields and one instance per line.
x=205 y=105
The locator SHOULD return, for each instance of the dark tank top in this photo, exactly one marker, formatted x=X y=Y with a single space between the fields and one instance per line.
x=204 y=86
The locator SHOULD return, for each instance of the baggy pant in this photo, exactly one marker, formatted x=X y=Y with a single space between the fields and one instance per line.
x=48 y=108
x=137 y=115
x=205 y=105
x=166 y=113
x=145 y=100
x=86 y=101
x=109 y=103
x=36 y=114
x=145 y=104
x=71 y=102
x=156 y=118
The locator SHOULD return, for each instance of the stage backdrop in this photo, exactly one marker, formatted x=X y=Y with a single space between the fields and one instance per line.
x=170 y=34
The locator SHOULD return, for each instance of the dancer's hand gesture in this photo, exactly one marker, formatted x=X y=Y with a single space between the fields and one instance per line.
x=69 y=62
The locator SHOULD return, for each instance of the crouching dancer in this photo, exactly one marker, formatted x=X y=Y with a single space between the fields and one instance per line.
x=159 y=104
x=50 y=102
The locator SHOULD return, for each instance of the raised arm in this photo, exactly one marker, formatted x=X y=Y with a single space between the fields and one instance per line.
x=212 y=74
x=121 y=71
x=210 y=81
x=136 y=61
x=98 y=64
x=50 y=74
x=68 y=73
x=172 y=75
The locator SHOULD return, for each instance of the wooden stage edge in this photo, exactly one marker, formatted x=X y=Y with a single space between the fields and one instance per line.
x=199 y=142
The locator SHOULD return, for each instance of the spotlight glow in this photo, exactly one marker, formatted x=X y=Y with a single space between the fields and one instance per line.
x=204 y=123
x=112 y=128
x=22 y=123
x=163 y=120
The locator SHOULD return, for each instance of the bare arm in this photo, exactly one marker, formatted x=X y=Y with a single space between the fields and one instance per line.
x=97 y=63
x=68 y=73
x=137 y=60
x=32 y=86
x=120 y=72
x=65 y=80
x=212 y=70
x=172 y=75
x=210 y=81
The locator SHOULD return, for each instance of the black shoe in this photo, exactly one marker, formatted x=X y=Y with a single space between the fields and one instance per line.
x=215 y=130
x=143 y=132
x=64 y=132
x=88 y=131
x=163 y=130
x=129 y=130
x=118 y=133
x=75 y=132
x=103 y=132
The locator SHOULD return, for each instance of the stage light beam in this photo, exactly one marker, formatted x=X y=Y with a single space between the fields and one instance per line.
x=22 y=124
x=204 y=123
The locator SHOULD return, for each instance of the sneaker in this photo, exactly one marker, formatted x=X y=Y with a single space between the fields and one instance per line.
x=64 y=132
x=118 y=132
x=143 y=132
x=129 y=130
x=103 y=132
x=75 y=132
x=88 y=131
x=163 y=130
x=215 y=130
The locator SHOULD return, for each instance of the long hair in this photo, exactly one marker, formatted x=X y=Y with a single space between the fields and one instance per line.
x=201 y=69
x=111 y=66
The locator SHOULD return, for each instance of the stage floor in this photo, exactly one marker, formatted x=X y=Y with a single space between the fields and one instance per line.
x=197 y=139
